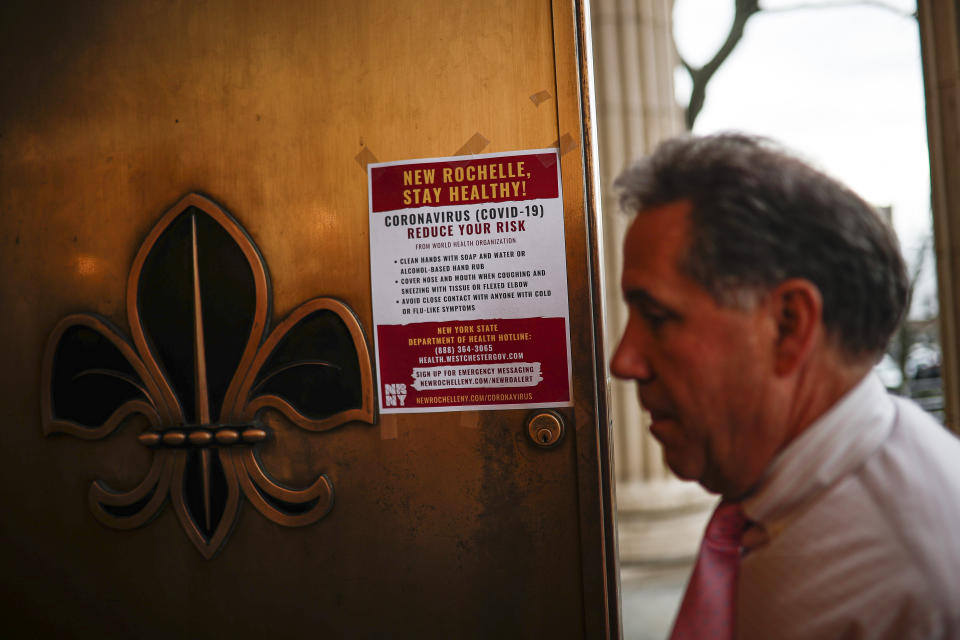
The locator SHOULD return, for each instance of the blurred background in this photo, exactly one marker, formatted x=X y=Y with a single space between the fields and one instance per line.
x=838 y=82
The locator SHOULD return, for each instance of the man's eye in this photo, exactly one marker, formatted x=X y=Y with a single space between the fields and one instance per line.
x=654 y=319
x=653 y=314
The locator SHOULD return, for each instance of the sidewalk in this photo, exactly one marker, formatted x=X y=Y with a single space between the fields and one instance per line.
x=650 y=596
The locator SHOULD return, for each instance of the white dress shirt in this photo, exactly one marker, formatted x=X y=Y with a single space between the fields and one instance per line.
x=860 y=521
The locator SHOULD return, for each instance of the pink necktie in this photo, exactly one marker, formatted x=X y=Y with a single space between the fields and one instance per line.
x=707 y=610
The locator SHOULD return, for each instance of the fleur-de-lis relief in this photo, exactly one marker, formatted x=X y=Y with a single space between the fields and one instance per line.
x=201 y=367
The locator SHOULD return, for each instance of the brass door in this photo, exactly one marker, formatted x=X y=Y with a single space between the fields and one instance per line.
x=258 y=120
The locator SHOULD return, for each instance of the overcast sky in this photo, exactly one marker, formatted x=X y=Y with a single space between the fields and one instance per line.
x=842 y=86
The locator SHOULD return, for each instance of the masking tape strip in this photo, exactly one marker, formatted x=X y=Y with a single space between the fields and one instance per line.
x=470 y=419
x=388 y=427
x=540 y=97
x=475 y=144
x=566 y=143
x=548 y=160
x=580 y=417
x=365 y=157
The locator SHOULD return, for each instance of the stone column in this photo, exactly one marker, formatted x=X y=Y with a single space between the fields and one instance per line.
x=660 y=518
x=940 y=46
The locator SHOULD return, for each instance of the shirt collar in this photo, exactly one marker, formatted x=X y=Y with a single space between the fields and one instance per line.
x=834 y=445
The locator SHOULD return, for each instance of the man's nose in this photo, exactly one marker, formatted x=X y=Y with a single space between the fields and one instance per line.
x=630 y=360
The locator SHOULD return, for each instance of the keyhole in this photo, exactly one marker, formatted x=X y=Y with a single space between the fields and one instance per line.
x=545 y=428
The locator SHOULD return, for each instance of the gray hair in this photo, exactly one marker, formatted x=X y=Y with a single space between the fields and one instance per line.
x=760 y=216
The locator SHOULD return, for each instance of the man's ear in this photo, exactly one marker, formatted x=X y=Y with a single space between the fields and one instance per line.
x=798 y=312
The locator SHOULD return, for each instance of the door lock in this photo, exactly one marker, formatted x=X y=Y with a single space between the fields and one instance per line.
x=545 y=428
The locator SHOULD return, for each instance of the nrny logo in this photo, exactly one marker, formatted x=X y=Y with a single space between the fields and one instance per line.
x=395 y=393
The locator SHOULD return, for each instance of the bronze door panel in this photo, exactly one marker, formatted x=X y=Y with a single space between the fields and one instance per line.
x=183 y=226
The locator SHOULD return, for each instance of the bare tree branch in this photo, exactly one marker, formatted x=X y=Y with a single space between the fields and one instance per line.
x=743 y=11
x=907 y=333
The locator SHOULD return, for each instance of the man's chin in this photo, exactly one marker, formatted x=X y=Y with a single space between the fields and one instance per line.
x=680 y=466
x=664 y=429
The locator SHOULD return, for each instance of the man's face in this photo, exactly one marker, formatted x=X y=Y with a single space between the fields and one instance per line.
x=704 y=372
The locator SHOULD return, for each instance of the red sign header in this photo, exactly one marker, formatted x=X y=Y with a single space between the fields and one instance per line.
x=442 y=184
